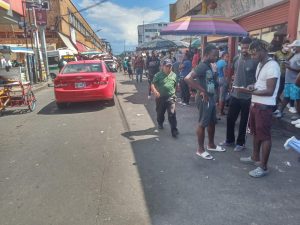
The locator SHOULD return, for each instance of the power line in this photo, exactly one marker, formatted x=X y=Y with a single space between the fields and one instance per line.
x=88 y=7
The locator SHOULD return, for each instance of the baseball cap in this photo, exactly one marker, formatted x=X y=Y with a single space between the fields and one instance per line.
x=296 y=43
x=167 y=62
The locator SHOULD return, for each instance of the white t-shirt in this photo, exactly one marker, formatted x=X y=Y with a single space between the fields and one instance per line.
x=270 y=70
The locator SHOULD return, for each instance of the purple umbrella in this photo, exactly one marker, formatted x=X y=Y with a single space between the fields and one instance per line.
x=204 y=25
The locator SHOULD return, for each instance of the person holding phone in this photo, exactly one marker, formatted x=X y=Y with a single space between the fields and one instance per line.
x=244 y=75
x=264 y=94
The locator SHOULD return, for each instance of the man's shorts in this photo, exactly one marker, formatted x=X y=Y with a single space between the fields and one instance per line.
x=291 y=91
x=207 y=111
x=260 y=121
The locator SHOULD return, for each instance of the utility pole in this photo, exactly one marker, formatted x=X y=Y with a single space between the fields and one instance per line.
x=44 y=45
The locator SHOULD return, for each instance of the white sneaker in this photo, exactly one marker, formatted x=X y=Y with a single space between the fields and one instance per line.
x=292 y=110
x=149 y=97
x=278 y=115
x=297 y=125
x=276 y=112
x=295 y=122
x=288 y=105
x=286 y=144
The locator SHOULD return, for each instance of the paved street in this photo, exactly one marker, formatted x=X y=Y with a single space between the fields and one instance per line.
x=98 y=163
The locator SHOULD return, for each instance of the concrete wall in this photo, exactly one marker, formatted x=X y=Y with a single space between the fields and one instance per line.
x=228 y=8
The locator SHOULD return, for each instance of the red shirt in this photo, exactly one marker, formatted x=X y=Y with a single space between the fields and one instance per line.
x=196 y=59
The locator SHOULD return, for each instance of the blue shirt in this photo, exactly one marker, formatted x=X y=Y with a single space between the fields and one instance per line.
x=187 y=68
x=221 y=64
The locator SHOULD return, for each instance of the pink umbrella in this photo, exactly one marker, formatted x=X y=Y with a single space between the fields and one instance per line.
x=204 y=25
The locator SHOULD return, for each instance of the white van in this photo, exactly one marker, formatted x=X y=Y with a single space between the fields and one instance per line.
x=55 y=56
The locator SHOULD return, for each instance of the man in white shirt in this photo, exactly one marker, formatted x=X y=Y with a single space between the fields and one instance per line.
x=264 y=93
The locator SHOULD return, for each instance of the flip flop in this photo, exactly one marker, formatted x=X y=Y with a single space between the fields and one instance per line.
x=217 y=149
x=205 y=155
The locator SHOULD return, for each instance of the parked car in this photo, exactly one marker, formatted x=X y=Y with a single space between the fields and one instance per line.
x=82 y=81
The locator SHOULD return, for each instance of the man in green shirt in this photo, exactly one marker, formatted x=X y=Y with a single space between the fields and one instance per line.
x=164 y=88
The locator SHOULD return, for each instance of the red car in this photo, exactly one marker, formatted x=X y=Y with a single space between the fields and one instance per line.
x=83 y=81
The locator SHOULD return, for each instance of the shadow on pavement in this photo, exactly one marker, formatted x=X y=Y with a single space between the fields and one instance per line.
x=72 y=108
x=180 y=188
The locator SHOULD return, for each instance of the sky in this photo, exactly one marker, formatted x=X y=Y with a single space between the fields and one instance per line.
x=119 y=19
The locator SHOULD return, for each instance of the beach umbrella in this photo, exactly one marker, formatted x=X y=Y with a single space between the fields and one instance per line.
x=157 y=44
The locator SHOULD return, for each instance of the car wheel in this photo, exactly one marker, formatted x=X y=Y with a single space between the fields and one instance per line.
x=61 y=105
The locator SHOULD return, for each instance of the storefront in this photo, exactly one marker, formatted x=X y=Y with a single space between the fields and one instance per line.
x=17 y=63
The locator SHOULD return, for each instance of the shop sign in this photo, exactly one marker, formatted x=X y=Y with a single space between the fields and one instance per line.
x=41 y=17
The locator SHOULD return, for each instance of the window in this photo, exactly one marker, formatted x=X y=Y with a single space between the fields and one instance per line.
x=53 y=60
x=83 y=68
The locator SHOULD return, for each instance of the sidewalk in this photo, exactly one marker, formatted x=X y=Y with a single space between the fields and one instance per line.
x=39 y=86
x=180 y=188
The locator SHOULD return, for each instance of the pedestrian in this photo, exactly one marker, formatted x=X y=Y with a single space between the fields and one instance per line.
x=129 y=68
x=196 y=58
x=125 y=66
x=185 y=68
x=61 y=63
x=153 y=68
x=164 y=88
x=223 y=81
x=205 y=85
x=239 y=104
x=139 y=67
x=281 y=57
x=291 y=91
x=264 y=94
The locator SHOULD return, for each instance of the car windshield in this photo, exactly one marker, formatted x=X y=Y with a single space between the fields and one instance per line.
x=83 y=68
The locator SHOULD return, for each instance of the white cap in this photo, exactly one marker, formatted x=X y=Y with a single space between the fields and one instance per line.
x=296 y=43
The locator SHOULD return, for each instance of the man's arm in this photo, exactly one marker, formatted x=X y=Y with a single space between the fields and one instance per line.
x=269 y=91
x=292 y=69
x=271 y=85
x=155 y=91
x=190 y=81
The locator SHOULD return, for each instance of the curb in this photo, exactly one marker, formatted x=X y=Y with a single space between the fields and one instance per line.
x=39 y=87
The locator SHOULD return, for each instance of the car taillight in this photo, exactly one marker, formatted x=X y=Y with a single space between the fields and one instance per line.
x=102 y=81
x=59 y=84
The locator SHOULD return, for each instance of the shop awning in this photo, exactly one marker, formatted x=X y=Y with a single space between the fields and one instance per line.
x=21 y=50
x=80 y=47
x=5 y=5
x=15 y=49
x=68 y=43
x=211 y=39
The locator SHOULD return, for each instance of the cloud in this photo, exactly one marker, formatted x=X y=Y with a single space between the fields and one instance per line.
x=119 y=23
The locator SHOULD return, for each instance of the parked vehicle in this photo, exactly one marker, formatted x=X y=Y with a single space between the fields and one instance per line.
x=55 y=58
x=82 y=81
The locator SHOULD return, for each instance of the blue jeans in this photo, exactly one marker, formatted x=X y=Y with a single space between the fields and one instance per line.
x=139 y=74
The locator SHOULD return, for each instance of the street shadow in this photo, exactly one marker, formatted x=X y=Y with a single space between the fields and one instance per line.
x=73 y=108
x=181 y=188
x=131 y=134
x=13 y=112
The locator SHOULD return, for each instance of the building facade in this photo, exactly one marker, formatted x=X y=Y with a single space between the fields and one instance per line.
x=148 y=32
x=261 y=18
x=65 y=27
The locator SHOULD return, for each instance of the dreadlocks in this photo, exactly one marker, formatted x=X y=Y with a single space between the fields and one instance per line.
x=258 y=45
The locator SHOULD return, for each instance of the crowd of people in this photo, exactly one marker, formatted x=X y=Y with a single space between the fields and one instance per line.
x=259 y=89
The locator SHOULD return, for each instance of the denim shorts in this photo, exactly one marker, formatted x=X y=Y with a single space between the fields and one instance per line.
x=291 y=91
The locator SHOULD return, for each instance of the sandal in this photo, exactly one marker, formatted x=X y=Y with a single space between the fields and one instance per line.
x=204 y=155
x=217 y=149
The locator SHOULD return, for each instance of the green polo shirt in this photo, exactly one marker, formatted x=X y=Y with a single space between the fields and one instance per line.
x=165 y=84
